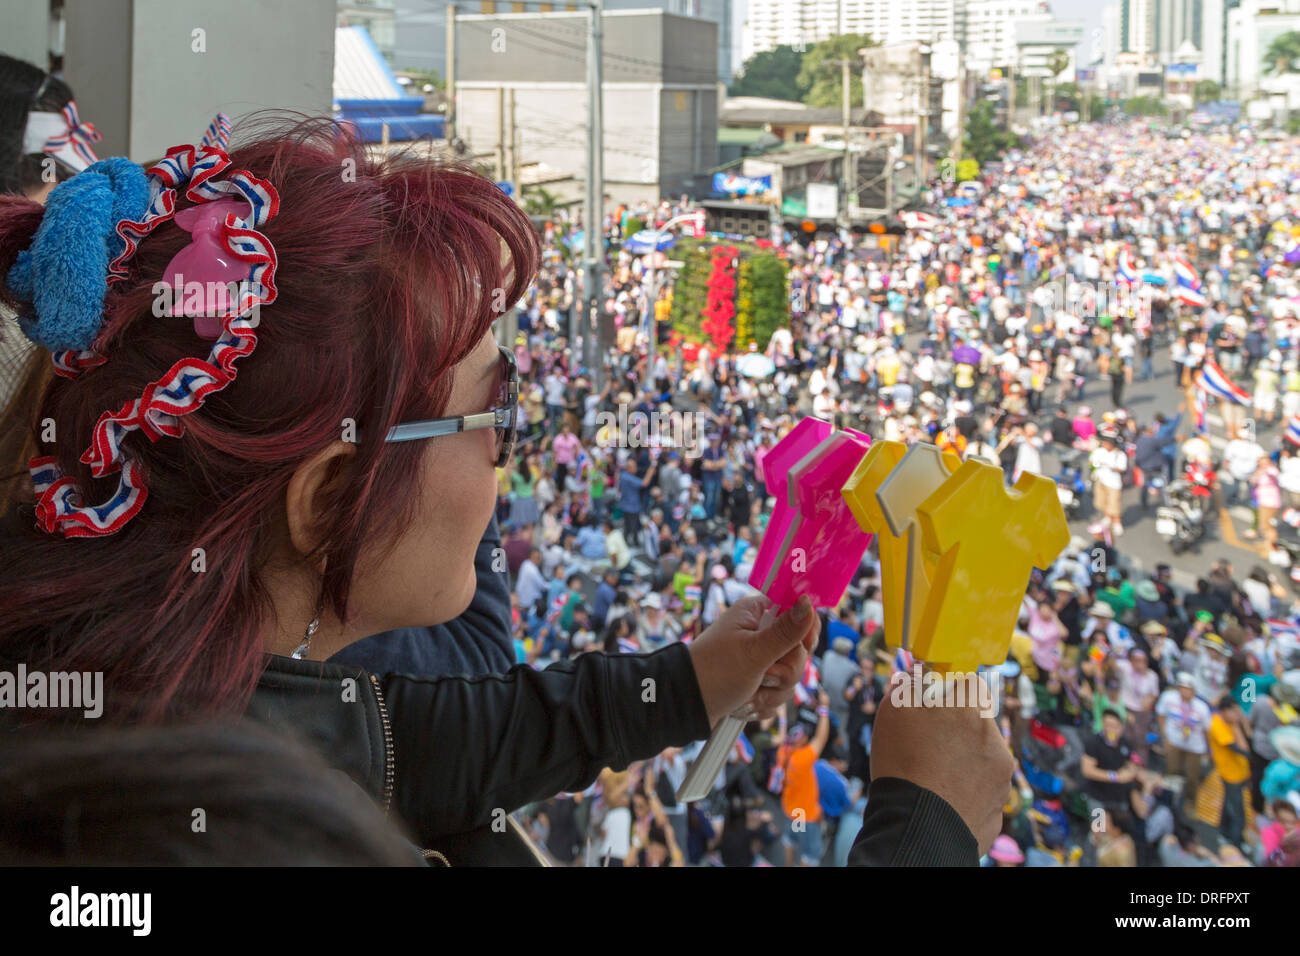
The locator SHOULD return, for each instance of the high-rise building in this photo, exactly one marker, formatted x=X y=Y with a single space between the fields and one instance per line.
x=771 y=23
x=1137 y=28
x=904 y=21
x=991 y=30
x=1176 y=23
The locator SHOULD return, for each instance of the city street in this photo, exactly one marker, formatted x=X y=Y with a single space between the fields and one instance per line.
x=1140 y=544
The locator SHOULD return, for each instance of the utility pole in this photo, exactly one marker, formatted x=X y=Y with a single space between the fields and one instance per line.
x=501 y=134
x=961 y=118
x=450 y=127
x=514 y=148
x=922 y=115
x=1011 y=98
x=849 y=174
x=593 y=213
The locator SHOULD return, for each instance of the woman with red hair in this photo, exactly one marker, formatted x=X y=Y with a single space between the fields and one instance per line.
x=208 y=531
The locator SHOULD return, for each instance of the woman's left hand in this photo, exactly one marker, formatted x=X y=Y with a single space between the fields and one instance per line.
x=747 y=657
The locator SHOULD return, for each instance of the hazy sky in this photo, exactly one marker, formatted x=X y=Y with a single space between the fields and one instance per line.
x=1089 y=11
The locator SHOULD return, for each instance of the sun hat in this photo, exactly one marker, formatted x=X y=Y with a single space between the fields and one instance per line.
x=1102 y=609
x=1006 y=850
x=1287 y=741
x=1285 y=693
x=1061 y=584
x=653 y=600
x=1146 y=590
x=1185 y=680
x=1154 y=627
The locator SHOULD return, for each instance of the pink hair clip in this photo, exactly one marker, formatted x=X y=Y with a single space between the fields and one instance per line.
x=204 y=276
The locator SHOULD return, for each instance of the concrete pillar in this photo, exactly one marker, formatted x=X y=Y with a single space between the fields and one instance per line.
x=152 y=73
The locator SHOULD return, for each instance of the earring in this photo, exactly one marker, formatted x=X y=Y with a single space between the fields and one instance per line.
x=301 y=651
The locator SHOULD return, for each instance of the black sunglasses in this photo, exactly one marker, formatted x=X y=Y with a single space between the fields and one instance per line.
x=503 y=417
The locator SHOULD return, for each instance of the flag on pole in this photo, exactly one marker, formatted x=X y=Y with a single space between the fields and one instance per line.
x=1190 y=296
x=1186 y=274
x=1212 y=379
x=1293 y=430
x=805 y=692
x=1125 y=270
x=1199 y=410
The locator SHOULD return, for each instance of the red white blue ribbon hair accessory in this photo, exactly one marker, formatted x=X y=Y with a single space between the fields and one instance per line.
x=57 y=276
x=62 y=135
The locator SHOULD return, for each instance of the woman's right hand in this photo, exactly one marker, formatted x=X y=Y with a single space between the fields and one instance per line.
x=954 y=752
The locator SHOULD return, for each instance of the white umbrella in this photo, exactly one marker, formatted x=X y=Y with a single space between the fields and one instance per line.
x=755 y=365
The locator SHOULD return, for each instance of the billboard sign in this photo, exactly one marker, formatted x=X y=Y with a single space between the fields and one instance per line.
x=823 y=200
x=741 y=185
x=1062 y=33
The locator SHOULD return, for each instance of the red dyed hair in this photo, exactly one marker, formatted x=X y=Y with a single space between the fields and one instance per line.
x=390 y=272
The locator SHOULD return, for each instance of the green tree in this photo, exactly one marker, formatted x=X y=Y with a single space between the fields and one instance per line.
x=985 y=142
x=420 y=77
x=1207 y=91
x=1057 y=61
x=1145 y=106
x=823 y=75
x=773 y=74
x=1283 y=54
x=633 y=226
x=1068 y=97
x=539 y=202
x=968 y=169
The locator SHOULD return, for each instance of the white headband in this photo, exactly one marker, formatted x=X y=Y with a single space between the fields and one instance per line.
x=63 y=136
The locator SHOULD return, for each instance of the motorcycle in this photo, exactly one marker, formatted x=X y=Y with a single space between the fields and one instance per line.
x=1287 y=553
x=1071 y=486
x=1180 y=519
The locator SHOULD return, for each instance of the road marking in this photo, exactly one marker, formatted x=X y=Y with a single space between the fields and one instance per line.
x=1229 y=536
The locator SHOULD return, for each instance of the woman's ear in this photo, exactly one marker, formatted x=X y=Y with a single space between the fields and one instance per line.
x=307 y=496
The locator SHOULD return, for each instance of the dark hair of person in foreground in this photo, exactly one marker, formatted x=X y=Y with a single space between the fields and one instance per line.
x=199 y=795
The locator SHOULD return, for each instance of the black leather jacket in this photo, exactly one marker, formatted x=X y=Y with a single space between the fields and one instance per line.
x=451 y=757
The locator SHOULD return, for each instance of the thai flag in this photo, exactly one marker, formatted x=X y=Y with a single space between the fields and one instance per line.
x=1190 y=296
x=628 y=645
x=902 y=661
x=1199 y=410
x=1293 y=430
x=1125 y=270
x=920 y=220
x=1213 y=380
x=744 y=749
x=1187 y=275
x=1278 y=628
x=805 y=692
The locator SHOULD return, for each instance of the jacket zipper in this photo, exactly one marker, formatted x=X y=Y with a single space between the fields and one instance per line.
x=389 y=759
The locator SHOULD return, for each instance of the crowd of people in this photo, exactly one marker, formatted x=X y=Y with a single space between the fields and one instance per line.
x=985 y=330
x=1148 y=724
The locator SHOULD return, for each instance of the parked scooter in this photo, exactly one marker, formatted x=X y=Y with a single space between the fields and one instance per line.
x=1287 y=553
x=1071 y=485
x=1180 y=519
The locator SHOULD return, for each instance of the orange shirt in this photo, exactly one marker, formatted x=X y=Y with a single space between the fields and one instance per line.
x=800 y=791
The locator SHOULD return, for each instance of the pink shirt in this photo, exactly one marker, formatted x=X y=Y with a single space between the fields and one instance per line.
x=1084 y=428
x=566 y=448
x=1268 y=494
x=1046 y=635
